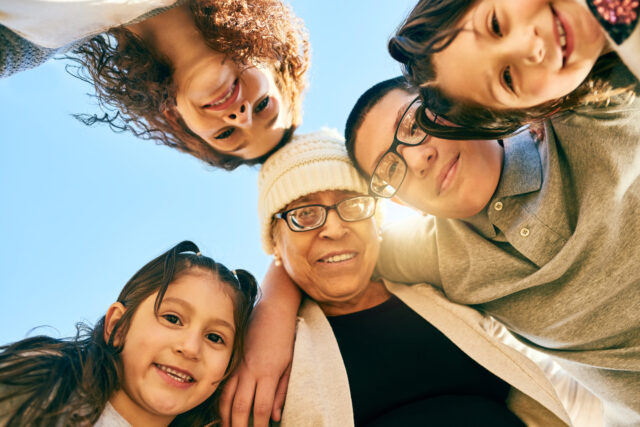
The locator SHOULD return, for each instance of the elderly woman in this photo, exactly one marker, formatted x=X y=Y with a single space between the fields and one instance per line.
x=368 y=351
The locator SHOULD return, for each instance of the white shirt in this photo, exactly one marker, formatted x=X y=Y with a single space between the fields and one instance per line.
x=56 y=23
x=111 y=418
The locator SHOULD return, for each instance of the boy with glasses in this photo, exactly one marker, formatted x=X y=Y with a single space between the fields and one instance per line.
x=543 y=235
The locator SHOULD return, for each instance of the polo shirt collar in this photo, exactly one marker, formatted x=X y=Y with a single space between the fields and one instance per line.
x=522 y=169
x=521 y=174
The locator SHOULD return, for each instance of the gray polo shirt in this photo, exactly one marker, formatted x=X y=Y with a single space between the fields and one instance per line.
x=555 y=255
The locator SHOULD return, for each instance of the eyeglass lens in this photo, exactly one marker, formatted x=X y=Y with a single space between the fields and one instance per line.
x=388 y=175
x=409 y=132
x=314 y=216
x=391 y=169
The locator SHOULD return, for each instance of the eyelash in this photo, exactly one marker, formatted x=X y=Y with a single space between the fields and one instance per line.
x=495 y=25
x=262 y=105
x=175 y=320
x=508 y=79
x=226 y=134
x=218 y=339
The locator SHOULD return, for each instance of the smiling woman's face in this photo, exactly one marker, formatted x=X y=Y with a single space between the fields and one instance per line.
x=333 y=263
x=237 y=109
x=516 y=54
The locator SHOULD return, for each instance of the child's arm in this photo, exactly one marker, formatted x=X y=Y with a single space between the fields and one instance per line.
x=261 y=379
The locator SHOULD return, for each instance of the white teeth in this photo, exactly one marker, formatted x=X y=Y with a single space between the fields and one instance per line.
x=561 y=33
x=339 y=258
x=227 y=96
x=184 y=378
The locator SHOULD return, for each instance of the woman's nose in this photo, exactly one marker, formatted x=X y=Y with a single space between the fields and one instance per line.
x=240 y=115
x=419 y=158
x=334 y=227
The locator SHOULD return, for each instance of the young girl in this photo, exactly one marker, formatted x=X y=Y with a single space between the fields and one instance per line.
x=492 y=66
x=219 y=79
x=156 y=358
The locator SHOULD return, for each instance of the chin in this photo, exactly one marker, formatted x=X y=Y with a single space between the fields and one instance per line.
x=468 y=211
x=167 y=407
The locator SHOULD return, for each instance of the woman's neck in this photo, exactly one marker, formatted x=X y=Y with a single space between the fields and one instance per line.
x=172 y=34
x=374 y=294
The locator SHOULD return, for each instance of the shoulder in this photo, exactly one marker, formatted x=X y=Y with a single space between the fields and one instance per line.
x=19 y=54
x=619 y=22
x=617 y=18
x=605 y=123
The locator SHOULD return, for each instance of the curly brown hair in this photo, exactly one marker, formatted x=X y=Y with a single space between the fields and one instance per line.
x=133 y=82
x=431 y=27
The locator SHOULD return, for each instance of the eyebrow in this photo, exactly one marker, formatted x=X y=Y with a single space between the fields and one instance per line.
x=239 y=147
x=184 y=304
x=272 y=121
x=303 y=199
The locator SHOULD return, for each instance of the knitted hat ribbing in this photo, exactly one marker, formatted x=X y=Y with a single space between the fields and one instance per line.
x=310 y=163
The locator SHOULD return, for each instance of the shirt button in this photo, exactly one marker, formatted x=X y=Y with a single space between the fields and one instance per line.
x=497 y=206
x=524 y=232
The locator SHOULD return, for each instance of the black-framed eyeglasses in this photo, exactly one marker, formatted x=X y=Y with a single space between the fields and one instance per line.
x=310 y=217
x=392 y=168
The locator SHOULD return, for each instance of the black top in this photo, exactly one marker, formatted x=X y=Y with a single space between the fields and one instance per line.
x=403 y=371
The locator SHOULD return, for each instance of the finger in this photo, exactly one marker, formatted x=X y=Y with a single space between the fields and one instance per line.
x=242 y=402
x=263 y=402
x=281 y=394
x=226 y=400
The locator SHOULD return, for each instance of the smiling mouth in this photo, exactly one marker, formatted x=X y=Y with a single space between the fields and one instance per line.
x=338 y=258
x=176 y=375
x=561 y=34
x=225 y=100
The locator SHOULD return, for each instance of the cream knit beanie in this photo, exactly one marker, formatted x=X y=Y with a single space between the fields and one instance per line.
x=311 y=162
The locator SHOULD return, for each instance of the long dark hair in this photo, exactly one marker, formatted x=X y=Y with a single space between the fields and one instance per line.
x=47 y=381
x=134 y=84
x=433 y=24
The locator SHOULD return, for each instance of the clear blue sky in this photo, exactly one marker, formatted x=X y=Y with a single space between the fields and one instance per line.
x=82 y=208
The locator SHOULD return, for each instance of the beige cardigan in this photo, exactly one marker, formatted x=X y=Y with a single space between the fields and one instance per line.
x=318 y=393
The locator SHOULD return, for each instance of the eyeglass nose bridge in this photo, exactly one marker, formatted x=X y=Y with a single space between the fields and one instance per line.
x=325 y=214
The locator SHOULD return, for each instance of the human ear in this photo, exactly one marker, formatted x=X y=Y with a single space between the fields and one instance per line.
x=114 y=314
